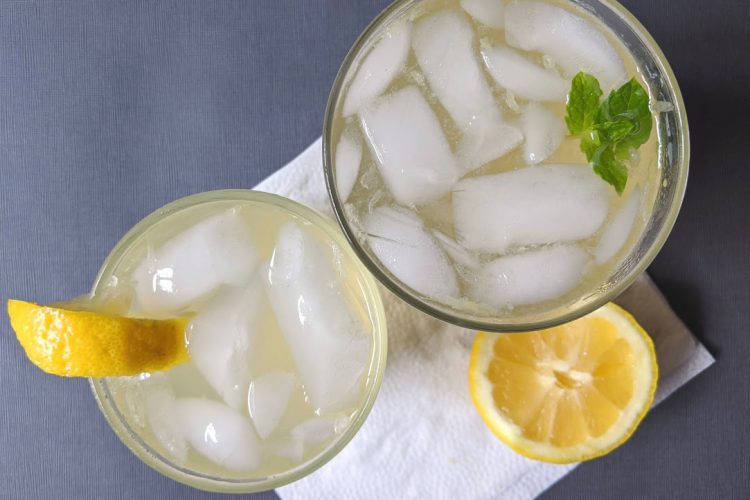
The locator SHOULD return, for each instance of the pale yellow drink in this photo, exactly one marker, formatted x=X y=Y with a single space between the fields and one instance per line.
x=251 y=406
x=352 y=128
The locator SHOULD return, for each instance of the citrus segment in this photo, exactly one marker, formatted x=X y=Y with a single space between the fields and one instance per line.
x=74 y=343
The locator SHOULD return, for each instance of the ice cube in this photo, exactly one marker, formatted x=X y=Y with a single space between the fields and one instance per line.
x=529 y=205
x=220 y=434
x=288 y=447
x=267 y=400
x=522 y=77
x=488 y=138
x=410 y=148
x=378 y=68
x=459 y=254
x=216 y=251
x=329 y=343
x=308 y=433
x=616 y=232
x=162 y=416
x=188 y=382
x=444 y=46
x=530 y=277
x=221 y=337
x=489 y=12
x=318 y=429
x=543 y=131
x=348 y=158
x=400 y=241
x=571 y=41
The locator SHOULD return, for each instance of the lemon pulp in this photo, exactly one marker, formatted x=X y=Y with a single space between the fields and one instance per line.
x=568 y=393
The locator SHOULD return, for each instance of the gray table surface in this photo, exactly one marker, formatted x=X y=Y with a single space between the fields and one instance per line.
x=108 y=110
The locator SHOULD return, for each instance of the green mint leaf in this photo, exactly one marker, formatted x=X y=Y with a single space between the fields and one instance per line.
x=590 y=143
x=614 y=131
x=627 y=104
x=583 y=103
x=608 y=167
x=623 y=151
x=609 y=130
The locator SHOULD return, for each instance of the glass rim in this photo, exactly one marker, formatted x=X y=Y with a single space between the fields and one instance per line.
x=683 y=148
x=161 y=464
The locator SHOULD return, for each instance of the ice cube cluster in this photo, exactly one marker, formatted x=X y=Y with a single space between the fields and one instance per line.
x=443 y=44
x=463 y=121
x=280 y=344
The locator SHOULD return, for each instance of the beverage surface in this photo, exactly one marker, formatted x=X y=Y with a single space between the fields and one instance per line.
x=280 y=339
x=456 y=169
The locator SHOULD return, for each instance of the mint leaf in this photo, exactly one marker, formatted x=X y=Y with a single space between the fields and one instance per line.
x=609 y=130
x=583 y=103
x=615 y=131
x=609 y=168
x=590 y=144
x=628 y=104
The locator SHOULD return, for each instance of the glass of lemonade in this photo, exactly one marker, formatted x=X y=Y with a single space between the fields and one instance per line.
x=454 y=178
x=287 y=340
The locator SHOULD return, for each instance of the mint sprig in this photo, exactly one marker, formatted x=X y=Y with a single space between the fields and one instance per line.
x=610 y=129
x=583 y=103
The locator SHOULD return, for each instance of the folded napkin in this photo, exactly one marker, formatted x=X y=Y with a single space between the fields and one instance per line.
x=423 y=438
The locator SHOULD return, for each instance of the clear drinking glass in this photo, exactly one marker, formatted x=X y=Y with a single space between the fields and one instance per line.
x=673 y=158
x=121 y=422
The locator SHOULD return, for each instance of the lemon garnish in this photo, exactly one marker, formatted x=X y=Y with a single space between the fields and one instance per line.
x=73 y=343
x=569 y=393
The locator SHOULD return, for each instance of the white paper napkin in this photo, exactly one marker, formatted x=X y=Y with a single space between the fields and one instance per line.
x=423 y=438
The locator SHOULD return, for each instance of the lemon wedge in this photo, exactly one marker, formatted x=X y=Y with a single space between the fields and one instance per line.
x=569 y=393
x=73 y=343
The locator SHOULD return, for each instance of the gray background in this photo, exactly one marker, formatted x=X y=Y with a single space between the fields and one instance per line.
x=109 y=110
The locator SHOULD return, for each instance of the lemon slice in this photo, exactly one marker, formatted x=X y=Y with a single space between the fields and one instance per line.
x=74 y=343
x=569 y=393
